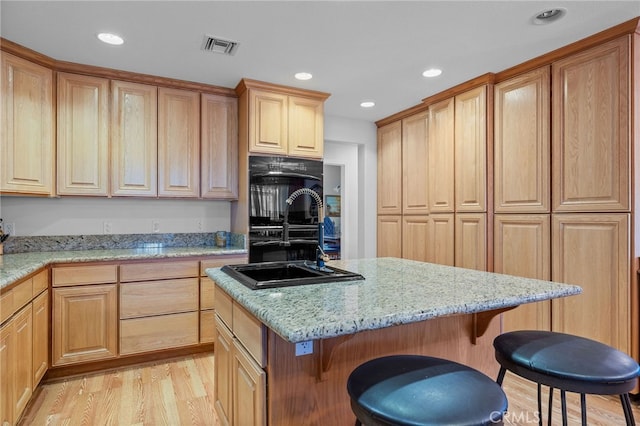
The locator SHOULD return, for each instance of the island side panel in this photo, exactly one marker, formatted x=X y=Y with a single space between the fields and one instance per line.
x=299 y=395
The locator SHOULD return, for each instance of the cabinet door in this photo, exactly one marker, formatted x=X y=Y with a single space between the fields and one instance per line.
x=415 y=237
x=40 y=337
x=268 y=122
x=592 y=251
x=441 y=239
x=523 y=143
x=178 y=143
x=471 y=151
x=591 y=129
x=134 y=139
x=306 y=132
x=390 y=168
x=440 y=154
x=219 y=147
x=522 y=247
x=85 y=323
x=249 y=389
x=7 y=372
x=83 y=135
x=27 y=127
x=389 y=236
x=23 y=323
x=415 y=166
x=471 y=241
x=222 y=378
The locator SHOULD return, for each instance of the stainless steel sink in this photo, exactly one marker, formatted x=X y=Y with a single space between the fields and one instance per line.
x=285 y=274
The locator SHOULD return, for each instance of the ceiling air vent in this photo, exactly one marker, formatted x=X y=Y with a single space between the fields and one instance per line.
x=218 y=45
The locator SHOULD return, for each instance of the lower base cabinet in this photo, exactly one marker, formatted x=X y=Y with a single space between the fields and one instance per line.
x=140 y=335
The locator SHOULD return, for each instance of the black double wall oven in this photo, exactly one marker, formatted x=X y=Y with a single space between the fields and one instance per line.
x=271 y=181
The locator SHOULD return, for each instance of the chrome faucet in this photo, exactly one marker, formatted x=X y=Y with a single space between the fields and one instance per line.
x=321 y=256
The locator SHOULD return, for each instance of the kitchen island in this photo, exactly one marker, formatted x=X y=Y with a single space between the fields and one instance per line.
x=402 y=306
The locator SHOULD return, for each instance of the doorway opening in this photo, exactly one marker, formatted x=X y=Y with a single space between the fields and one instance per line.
x=333 y=202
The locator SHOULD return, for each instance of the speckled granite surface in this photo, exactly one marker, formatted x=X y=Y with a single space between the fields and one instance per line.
x=14 y=267
x=395 y=291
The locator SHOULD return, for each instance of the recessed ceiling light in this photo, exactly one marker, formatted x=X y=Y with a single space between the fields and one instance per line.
x=548 y=16
x=432 y=72
x=367 y=104
x=110 y=38
x=303 y=76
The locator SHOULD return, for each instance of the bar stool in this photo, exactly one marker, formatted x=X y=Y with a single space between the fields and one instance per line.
x=421 y=390
x=569 y=363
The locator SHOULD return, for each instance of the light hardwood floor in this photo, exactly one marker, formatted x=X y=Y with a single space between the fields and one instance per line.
x=179 y=392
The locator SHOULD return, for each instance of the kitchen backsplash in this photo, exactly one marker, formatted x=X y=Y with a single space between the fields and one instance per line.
x=116 y=241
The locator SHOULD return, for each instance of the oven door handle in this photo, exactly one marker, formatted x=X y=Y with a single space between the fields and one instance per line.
x=285 y=174
x=282 y=243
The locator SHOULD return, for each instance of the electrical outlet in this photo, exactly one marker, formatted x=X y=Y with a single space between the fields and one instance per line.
x=199 y=225
x=155 y=226
x=107 y=228
x=304 y=348
x=10 y=228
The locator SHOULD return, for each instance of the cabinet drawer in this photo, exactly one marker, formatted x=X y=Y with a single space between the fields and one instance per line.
x=207 y=326
x=206 y=293
x=6 y=305
x=223 y=305
x=221 y=261
x=14 y=299
x=158 y=297
x=158 y=270
x=40 y=282
x=78 y=275
x=161 y=332
x=250 y=332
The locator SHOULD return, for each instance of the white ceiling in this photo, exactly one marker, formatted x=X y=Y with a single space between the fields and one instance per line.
x=356 y=50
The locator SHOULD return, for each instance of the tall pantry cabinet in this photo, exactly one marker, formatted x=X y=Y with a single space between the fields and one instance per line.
x=576 y=146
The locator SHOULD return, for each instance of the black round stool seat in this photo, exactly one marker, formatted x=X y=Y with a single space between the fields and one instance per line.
x=568 y=362
x=421 y=390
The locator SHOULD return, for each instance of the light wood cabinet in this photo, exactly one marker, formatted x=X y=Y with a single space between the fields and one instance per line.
x=83 y=135
x=149 y=298
x=441 y=157
x=85 y=323
x=415 y=165
x=440 y=245
x=134 y=139
x=23 y=377
x=415 y=237
x=471 y=150
x=27 y=127
x=522 y=138
x=7 y=372
x=471 y=241
x=222 y=378
x=152 y=333
x=591 y=129
x=390 y=169
x=592 y=251
x=40 y=337
x=389 y=242
x=281 y=120
x=249 y=389
x=178 y=143
x=523 y=248
x=219 y=147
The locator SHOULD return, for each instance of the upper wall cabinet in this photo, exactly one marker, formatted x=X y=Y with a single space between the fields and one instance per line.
x=591 y=140
x=415 y=167
x=219 y=147
x=134 y=139
x=27 y=128
x=471 y=150
x=178 y=143
x=390 y=168
x=83 y=135
x=441 y=153
x=281 y=120
x=522 y=143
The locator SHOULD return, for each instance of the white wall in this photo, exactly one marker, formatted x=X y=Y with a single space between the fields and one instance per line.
x=352 y=143
x=87 y=215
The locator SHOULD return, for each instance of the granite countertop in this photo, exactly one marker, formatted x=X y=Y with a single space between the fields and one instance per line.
x=14 y=267
x=395 y=291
